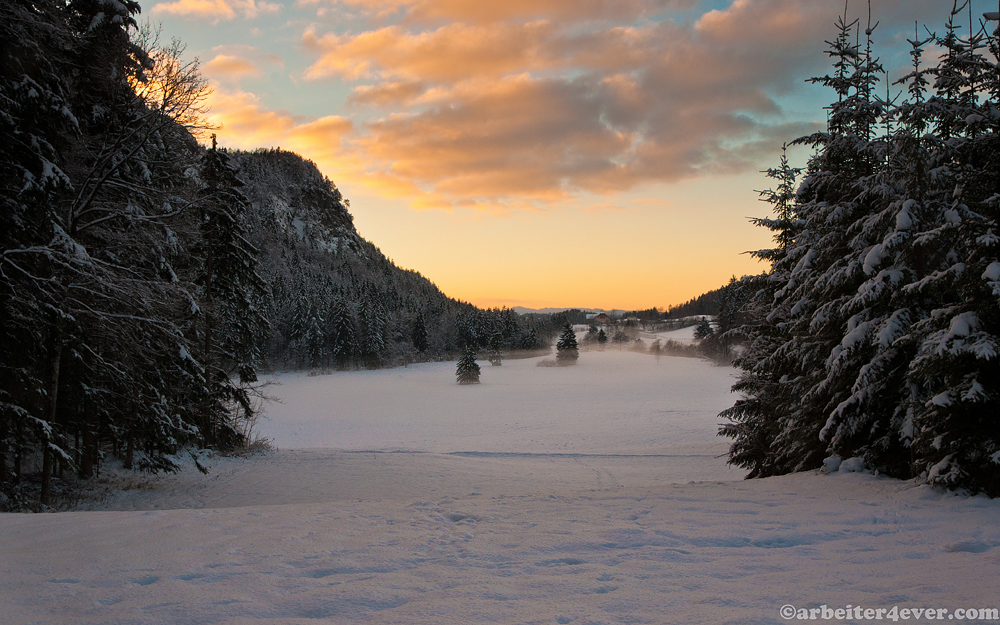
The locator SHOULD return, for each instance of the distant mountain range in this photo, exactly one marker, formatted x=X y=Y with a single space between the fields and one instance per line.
x=522 y=310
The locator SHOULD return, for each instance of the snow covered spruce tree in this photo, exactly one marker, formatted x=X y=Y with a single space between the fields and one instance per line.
x=876 y=328
x=232 y=296
x=955 y=439
x=467 y=371
x=753 y=419
x=343 y=344
x=496 y=348
x=419 y=333
x=567 y=350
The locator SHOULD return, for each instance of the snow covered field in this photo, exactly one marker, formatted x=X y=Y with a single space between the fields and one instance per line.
x=589 y=494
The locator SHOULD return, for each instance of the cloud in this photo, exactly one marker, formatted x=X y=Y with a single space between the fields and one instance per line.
x=533 y=112
x=387 y=94
x=526 y=103
x=228 y=67
x=216 y=10
x=243 y=122
x=449 y=53
x=437 y=11
x=246 y=124
x=232 y=63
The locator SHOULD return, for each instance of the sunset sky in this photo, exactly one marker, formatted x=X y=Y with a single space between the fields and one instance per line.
x=564 y=153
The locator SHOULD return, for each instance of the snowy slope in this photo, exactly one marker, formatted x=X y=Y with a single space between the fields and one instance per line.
x=379 y=513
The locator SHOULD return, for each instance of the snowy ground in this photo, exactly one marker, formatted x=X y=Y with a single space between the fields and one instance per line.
x=589 y=494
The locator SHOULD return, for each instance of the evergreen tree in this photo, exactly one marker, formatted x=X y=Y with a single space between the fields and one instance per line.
x=496 y=348
x=342 y=337
x=704 y=329
x=93 y=220
x=372 y=319
x=875 y=333
x=467 y=371
x=530 y=340
x=315 y=342
x=567 y=350
x=232 y=294
x=602 y=338
x=419 y=333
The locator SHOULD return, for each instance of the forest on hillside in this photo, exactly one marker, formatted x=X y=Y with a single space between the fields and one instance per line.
x=146 y=278
x=875 y=335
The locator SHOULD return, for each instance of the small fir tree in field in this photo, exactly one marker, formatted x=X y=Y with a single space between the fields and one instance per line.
x=467 y=371
x=602 y=338
x=567 y=350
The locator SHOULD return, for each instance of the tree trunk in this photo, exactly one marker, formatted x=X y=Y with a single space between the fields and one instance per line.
x=17 y=456
x=44 y=497
x=206 y=417
x=130 y=445
x=3 y=458
x=89 y=442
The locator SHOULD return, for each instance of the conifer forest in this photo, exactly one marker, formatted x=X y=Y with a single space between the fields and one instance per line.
x=146 y=279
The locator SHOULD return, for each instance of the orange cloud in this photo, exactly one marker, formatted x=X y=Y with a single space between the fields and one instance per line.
x=449 y=53
x=243 y=122
x=228 y=67
x=232 y=63
x=519 y=137
x=216 y=10
x=387 y=94
x=493 y=12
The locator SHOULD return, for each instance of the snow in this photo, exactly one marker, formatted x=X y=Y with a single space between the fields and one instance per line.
x=584 y=494
x=857 y=332
x=874 y=258
x=904 y=218
x=683 y=335
x=517 y=408
x=992 y=272
x=894 y=327
x=963 y=324
x=852 y=465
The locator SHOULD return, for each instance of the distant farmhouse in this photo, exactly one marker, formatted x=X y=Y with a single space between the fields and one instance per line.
x=600 y=318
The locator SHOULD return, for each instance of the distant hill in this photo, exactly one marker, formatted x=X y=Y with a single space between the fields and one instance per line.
x=522 y=310
x=336 y=300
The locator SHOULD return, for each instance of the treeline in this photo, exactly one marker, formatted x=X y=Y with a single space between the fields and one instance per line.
x=704 y=304
x=876 y=333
